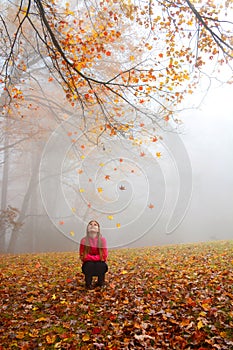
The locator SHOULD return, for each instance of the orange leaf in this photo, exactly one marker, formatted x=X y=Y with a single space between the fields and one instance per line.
x=50 y=338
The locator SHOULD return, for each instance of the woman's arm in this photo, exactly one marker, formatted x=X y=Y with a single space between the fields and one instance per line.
x=105 y=249
x=81 y=249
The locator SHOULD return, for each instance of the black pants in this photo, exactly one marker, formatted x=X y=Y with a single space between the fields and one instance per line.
x=94 y=268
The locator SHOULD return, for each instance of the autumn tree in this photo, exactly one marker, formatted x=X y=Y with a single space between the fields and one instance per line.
x=114 y=54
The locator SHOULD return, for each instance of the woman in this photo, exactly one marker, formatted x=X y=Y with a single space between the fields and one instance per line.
x=93 y=253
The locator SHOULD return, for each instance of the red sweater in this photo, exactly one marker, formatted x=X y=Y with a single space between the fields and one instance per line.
x=93 y=254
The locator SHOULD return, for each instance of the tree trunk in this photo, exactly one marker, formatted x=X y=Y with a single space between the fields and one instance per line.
x=29 y=194
x=5 y=173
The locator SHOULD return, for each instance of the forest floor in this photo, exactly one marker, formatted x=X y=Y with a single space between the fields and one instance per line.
x=164 y=297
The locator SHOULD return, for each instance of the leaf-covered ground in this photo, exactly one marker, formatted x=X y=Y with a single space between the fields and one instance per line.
x=170 y=297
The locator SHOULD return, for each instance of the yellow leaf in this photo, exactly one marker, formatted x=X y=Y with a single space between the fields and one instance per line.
x=34 y=333
x=72 y=233
x=110 y=217
x=81 y=190
x=86 y=337
x=123 y=272
x=50 y=338
x=73 y=210
x=99 y=189
x=202 y=313
x=101 y=164
x=41 y=319
x=200 y=325
x=54 y=297
x=131 y=58
x=118 y=225
x=205 y=306
x=223 y=334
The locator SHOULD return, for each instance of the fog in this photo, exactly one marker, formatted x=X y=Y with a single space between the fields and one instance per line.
x=208 y=138
x=179 y=190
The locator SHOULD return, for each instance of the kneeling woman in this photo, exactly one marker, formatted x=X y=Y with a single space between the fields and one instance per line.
x=93 y=253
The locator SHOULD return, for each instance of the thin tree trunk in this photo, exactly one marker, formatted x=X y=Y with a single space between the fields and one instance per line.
x=4 y=191
x=31 y=187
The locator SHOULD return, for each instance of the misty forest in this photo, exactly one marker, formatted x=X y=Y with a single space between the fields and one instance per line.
x=93 y=95
x=90 y=99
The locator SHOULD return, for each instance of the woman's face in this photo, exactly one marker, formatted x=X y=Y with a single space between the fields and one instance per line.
x=93 y=228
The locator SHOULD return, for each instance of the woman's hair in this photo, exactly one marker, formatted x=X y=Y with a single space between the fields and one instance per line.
x=87 y=240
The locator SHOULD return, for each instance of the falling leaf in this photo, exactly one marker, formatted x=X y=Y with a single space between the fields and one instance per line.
x=107 y=177
x=158 y=154
x=151 y=206
x=101 y=164
x=81 y=190
x=122 y=188
x=110 y=217
x=100 y=189
x=72 y=233
x=118 y=225
x=73 y=210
